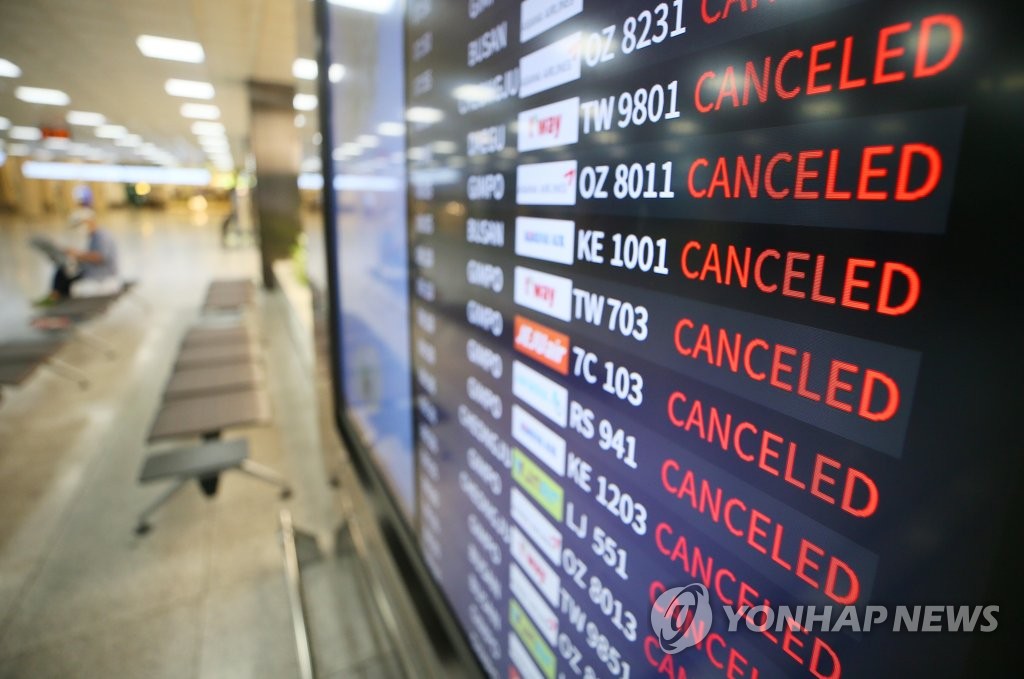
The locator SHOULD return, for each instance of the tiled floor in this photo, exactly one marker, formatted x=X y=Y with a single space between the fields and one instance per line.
x=203 y=594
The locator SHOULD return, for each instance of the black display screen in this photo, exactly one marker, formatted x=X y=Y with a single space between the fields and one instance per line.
x=715 y=293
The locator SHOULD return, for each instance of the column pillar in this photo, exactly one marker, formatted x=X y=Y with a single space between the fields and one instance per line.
x=275 y=147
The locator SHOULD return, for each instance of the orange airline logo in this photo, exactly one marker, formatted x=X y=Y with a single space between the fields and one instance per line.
x=543 y=344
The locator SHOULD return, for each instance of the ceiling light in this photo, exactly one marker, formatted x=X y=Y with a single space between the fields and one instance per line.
x=42 y=95
x=119 y=174
x=304 y=69
x=300 y=120
x=335 y=73
x=304 y=102
x=85 y=118
x=189 y=89
x=423 y=114
x=129 y=141
x=171 y=49
x=78 y=149
x=111 y=131
x=22 y=133
x=9 y=69
x=4 y=123
x=18 y=150
x=317 y=138
x=391 y=129
x=201 y=111
x=367 y=140
x=216 y=148
x=375 y=6
x=214 y=143
x=57 y=143
x=207 y=128
x=474 y=92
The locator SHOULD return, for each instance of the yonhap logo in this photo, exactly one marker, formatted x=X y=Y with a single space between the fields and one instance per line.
x=681 y=617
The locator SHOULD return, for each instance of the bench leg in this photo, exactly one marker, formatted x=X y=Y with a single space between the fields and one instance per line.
x=267 y=474
x=143 y=525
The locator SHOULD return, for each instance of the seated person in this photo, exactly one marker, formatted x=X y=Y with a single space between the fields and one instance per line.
x=98 y=262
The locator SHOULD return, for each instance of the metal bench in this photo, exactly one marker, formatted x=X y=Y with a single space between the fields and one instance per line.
x=191 y=382
x=209 y=415
x=201 y=463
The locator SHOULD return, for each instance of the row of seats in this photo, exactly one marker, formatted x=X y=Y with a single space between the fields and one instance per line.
x=215 y=385
x=52 y=328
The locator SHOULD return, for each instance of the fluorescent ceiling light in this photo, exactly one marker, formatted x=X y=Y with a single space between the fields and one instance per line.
x=423 y=114
x=391 y=129
x=304 y=69
x=207 y=128
x=111 y=131
x=300 y=120
x=9 y=69
x=78 y=149
x=200 y=111
x=119 y=174
x=474 y=92
x=190 y=89
x=57 y=143
x=129 y=141
x=304 y=102
x=210 y=143
x=445 y=146
x=375 y=6
x=335 y=73
x=171 y=49
x=368 y=141
x=4 y=123
x=42 y=95
x=22 y=133
x=85 y=118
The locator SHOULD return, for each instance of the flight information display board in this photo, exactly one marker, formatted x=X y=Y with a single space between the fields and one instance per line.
x=716 y=293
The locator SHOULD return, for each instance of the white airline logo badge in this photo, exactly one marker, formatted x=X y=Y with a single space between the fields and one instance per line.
x=546 y=183
x=544 y=292
x=544 y=127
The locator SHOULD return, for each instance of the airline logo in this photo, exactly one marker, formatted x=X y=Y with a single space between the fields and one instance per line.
x=542 y=344
x=537 y=16
x=533 y=603
x=522 y=667
x=556 y=124
x=531 y=638
x=546 y=183
x=550 y=66
x=538 y=484
x=546 y=445
x=552 y=240
x=544 y=292
x=548 y=397
x=535 y=566
x=533 y=522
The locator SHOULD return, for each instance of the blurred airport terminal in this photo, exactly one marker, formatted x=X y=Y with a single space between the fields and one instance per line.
x=539 y=339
